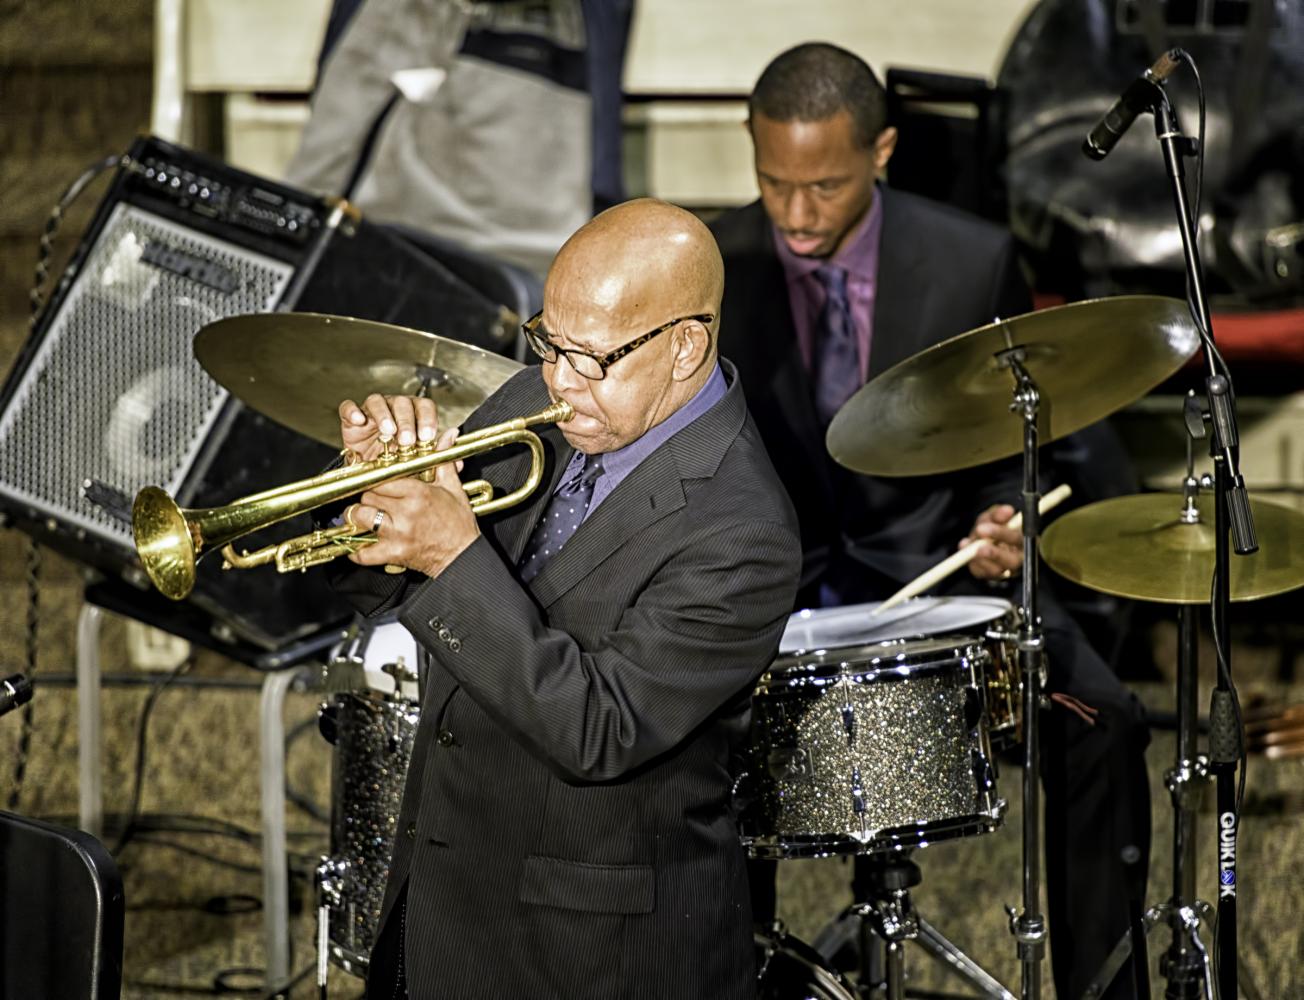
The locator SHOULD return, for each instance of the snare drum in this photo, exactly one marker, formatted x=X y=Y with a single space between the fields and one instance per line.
x=864 y=741
x=373 y=719
x=992 y=621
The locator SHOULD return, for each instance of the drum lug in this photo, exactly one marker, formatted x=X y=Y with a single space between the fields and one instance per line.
x=331 y=875
x=328 y=722
x=975 y=706
x=405 y=677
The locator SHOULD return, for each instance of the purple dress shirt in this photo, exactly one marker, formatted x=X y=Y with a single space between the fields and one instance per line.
x=806 y=295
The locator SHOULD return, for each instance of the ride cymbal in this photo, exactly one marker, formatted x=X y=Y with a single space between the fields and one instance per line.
x=948 y=407
x=298 y=367
x=1139 y=547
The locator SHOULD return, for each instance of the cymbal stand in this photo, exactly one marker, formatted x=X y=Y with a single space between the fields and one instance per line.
x=1029 y=926
x=1185 y=965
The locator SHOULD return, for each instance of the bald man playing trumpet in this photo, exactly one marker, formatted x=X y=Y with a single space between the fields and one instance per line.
x=566 y=828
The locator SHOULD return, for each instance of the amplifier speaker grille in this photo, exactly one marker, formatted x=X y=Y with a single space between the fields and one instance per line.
x=120 y=350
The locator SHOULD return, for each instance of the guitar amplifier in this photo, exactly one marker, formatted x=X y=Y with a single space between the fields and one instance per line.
x=107 y=388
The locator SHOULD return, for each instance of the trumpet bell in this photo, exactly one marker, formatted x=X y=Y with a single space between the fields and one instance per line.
x=164 y=542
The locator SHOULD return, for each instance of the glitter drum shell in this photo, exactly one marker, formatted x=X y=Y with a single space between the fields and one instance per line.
x=872 y=747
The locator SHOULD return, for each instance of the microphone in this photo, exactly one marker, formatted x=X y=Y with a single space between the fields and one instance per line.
x=1141 y=95
x=15 y=690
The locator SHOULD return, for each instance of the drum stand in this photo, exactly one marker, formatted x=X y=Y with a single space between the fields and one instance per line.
x=329 y=879
x=888 y=913
x=1029 y=926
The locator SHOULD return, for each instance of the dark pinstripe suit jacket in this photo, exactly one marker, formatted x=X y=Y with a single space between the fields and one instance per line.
x=566 y=828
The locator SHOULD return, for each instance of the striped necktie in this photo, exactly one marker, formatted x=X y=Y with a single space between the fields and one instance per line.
x=835 y=367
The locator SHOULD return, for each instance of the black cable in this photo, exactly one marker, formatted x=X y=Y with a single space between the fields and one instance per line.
x=1225 y=670
x=66 y=679
x=1206 y=335
x=142 y=732
x=288 y=984
x=37 y=303
x=32 y=628
x=301 y=866
x=52 y=223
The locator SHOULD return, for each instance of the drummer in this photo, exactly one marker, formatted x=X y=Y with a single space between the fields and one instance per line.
x=831 y=277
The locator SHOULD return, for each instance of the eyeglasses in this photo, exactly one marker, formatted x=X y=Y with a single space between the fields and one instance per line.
x=592 y=366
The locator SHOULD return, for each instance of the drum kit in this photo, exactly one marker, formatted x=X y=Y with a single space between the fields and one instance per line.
x=875 y=730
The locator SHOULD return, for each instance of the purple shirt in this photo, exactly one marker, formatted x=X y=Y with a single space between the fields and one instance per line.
x=616 y=465
x=806 y=295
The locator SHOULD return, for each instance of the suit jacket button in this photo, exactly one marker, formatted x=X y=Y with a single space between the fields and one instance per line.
x=411 y=831
x=445 y=738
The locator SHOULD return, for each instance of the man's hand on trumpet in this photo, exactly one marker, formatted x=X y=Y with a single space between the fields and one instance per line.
x=365 y=429
x=419 y=526
x=1002 y=556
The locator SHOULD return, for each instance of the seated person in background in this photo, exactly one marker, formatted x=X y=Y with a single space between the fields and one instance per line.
x=567 y=827
x=831 y=278
x=507 y=154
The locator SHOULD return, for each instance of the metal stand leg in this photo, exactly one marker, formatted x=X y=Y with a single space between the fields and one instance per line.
x=90 y=783
x=946 y=952
x=892 y=916
x=276 y=874
x=1184 y=921
x=330 y=875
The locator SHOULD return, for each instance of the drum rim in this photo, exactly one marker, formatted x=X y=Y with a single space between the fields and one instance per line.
x=778 y=847
x=353 y=962
x=1001 y=607
x=872 y=662
x=777 y=941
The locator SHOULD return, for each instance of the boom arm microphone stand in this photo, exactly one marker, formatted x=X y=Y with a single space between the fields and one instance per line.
x=1232 y=518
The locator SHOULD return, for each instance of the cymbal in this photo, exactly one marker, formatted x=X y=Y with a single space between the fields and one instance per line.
x=1139 y=547
x=298 y=367
x=948 y=407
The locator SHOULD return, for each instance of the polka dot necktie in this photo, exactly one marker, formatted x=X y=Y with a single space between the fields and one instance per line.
x=565 y=512
x=836 y=362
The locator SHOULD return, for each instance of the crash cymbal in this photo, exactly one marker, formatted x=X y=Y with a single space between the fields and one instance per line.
x=949 y=406
x=298 y=367
x=1139 y=547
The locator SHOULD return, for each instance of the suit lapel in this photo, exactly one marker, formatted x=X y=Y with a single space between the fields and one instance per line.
x=901 y=290
x=652 y=491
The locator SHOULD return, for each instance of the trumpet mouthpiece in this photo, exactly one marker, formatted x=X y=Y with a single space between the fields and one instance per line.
x=164 y=542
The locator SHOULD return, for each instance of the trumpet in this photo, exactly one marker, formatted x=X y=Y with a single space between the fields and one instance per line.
x=170 y=540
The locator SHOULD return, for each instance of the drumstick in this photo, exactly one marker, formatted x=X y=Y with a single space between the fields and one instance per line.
x=965 y=555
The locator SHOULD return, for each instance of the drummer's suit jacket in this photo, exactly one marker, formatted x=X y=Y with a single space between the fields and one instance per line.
x=940 y=272
x=567 y=828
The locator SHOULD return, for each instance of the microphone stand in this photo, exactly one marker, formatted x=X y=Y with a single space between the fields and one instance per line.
x=1232 y=518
